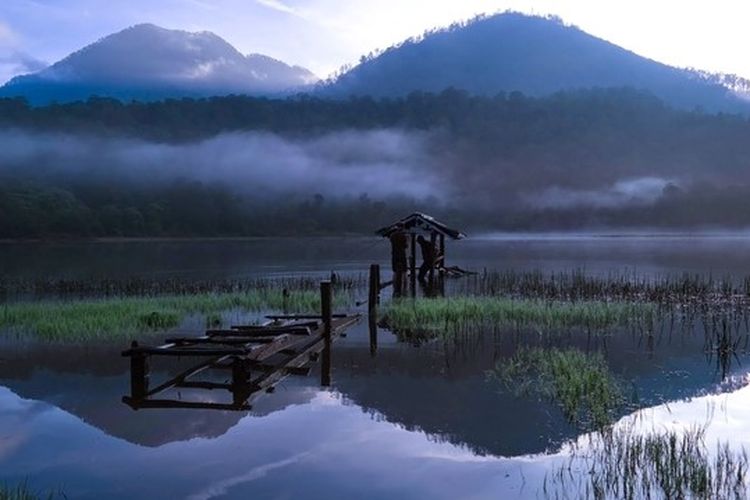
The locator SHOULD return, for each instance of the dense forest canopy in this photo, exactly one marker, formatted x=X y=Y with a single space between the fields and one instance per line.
x=588 y=158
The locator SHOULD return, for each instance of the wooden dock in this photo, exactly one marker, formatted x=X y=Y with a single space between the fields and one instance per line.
x=256 y=358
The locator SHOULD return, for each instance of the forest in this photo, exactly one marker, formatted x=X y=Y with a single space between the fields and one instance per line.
x=573 y=160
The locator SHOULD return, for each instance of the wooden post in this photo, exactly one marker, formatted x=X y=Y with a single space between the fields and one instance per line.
x=285 y=302
x=442 y=247
x=433 y=238
x=326 y=299
x=374 y=296
x=413 y=277
x=372 y=310
x=138 y=374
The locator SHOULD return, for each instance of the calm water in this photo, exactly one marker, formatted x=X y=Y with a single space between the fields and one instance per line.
x=403 y=422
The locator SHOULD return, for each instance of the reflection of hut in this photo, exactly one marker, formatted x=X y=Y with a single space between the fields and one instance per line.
x=421 y=224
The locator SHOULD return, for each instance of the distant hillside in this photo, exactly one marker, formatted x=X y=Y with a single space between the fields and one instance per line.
x=537 y=56
x=147 y=62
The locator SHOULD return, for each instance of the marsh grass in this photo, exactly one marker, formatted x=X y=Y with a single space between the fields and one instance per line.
x=624 y=464
x=113 y=317
x=580 y=383
x=12 y=289
x=617 y=286
x=453 y=315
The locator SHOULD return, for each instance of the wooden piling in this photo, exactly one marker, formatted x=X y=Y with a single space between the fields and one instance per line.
x=138 y=374
x=442 y=248
x=374 y=295
x=433 y=243
x=413 y=277
x=326 y=300
x=372 y=309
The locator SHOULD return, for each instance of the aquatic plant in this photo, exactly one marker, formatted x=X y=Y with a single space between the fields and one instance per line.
x=452 y=315
x=72 y=320
x=580 y=383
x=625 y=464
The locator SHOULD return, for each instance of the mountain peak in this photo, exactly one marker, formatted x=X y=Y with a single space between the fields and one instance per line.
x=148 y=61
x=516 y=52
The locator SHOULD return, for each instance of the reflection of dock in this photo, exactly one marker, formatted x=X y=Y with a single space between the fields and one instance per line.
x=256 y=357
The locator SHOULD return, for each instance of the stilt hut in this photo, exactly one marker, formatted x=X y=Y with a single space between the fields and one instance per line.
x=416 y=224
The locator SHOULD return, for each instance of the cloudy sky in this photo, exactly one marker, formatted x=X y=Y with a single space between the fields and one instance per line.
x=322 y=35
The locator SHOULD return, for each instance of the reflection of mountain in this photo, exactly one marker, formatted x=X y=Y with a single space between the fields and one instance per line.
x=444 y=393
x=89 y=384
x=437 y=389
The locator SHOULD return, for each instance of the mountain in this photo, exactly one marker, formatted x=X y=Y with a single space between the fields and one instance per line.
x=535 y=55
x=148 y=62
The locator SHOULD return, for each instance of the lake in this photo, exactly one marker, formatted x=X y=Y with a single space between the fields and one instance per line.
x=407 y=420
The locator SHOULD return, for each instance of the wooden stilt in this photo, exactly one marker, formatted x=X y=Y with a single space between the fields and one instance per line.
x=138 y=374
x=413 y=266
x=433 y=238
x=326 y=299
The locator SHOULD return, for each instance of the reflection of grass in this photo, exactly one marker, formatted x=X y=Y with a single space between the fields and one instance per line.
x=85 y=319
x=448 y=315
x=22 y=492
x=580 y=383
x=624 y=464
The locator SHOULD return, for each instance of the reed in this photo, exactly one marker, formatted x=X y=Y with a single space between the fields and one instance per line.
x=580 y=383
x=106 y=318
x=12 y=289
x=452 y=315
x=625 y=464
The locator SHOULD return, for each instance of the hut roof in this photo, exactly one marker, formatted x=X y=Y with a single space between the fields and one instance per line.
x=417 y=222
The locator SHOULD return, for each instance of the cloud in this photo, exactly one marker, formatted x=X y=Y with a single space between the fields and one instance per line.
x=14 y=63
x=13 y=60
x=280 y=6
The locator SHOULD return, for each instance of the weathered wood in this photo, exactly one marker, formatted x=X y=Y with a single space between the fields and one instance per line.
x=442 y=249
x=273 y=327
x=139 y=374
x=433 y=238
x=261 y=332
x=184 y=375
x=326 y=299
x=302 y=316
x=191 y=351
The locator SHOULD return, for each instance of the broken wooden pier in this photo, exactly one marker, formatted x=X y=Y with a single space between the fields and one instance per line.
x=254 y=357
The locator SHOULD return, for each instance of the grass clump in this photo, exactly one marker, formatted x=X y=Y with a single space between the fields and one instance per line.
x=106 y=318
x=581 y=384
x=451 y=315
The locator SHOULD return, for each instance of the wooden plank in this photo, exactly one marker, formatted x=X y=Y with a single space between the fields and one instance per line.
x=265 y=351
x=301 y=316
x=265 y=331
x=190 y=351
x=222 y=340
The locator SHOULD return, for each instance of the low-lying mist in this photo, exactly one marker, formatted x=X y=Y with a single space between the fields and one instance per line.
x=264 y=183
x=380 y=163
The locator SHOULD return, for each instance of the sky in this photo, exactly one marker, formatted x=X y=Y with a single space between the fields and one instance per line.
x=323 y=35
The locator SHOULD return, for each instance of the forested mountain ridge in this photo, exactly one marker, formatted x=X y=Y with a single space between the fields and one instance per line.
x=535 y=55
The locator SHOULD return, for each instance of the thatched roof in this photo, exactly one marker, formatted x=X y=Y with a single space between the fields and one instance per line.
x=419 y=223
